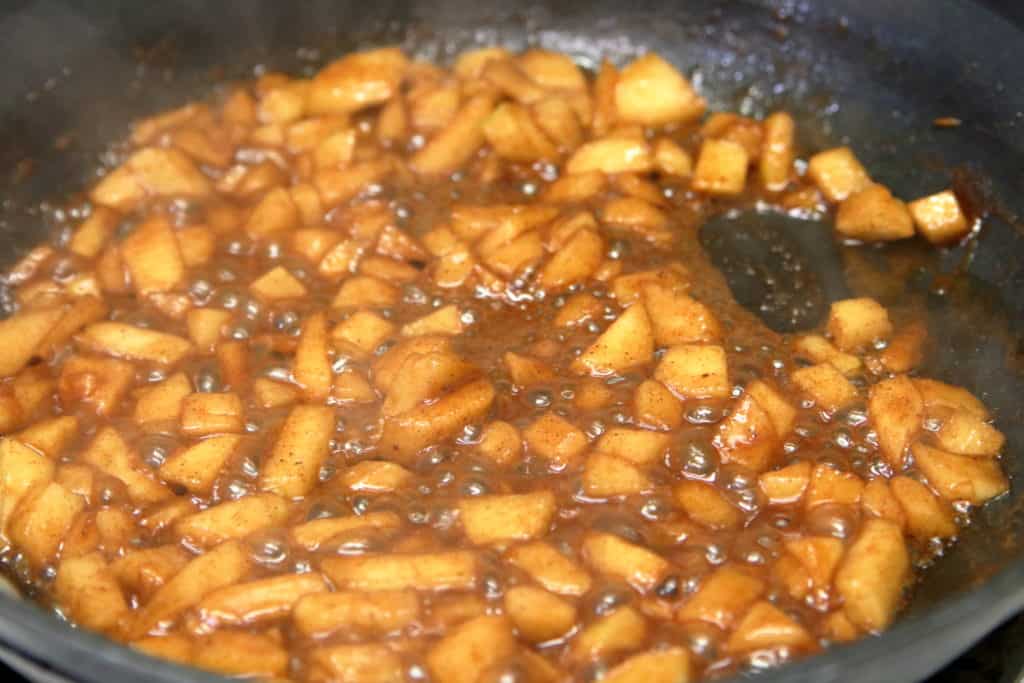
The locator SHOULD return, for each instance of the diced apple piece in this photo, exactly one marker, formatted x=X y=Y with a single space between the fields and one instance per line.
x=361 y=333
x=652 y=92
x=826 y=386
x=470 y=649
x=271 y=394
x=856 y=323
x=611 y=155
x=555 y=439
x=276 y=212
x=557 y=118
x=874 y=215
x=611 y=555
x=198 y=466
x=655 y=406
x=721 y=168
x=387 y=368
x=927 y=516
x=820 y=350
x=501 y=443
x=377 y=613
x=605 y=476
x=765 y=627
x=830 y=486
x=678 y=318
x=241 y=653
x=623 y=630
x=626 y=344
x=232 y=519
x=785 y=485
x=707 y=505
x=960 y=477
x=872 y=577
x=302 y=446
x=153 y=258
x=966 y=434
x=550 y=568
x=723 y=598
x=939 y=217
x=224 y=565
x=376 y=476
x=203 y=414
x=940 y=396
x=537 y=614
x=570 y=189
x=504 y=518
x=94 y=232
x=49 y=437
x=819 y=556
x=277 y=284
x=22 y=334
x=99 y=383
x=407 y=433
x=905 y=350
x=671 y=159
x=777 y=151
x=694 y=371
x=440 y=571
x=459 y=141
x=252 y=602
x=110 y=453
x=671 y=665
x=206 y=326
x=896 y=411
x=357 y=81
x=89 y=591
x=747 y=436
x=41 y=521
x=837 y=173
x=21 y=470
x=574 y=263
x=514 y=135
x=525 y=371
x=364 y=291
x=151 y=171
x=315 y=533
x=629 y=288
x=878 y=500
x=446 y=320
x=134 y=343
x=639 y=446
x=361 y=663
x=312 y=366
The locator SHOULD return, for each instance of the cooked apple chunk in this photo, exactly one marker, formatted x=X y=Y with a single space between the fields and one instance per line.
x=693 y=371
x=611 y=555
x=837 y=173
x=872 y=577
x=873 y=214
x=627 y=343
x=722 y=598
x=897 y=412
x=826 y=386
x=960 y=477
x=504 y=518
x=652 y=92
x=939 y=217
x=721 y=168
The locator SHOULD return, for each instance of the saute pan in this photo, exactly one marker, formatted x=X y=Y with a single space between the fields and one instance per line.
x=872 y=73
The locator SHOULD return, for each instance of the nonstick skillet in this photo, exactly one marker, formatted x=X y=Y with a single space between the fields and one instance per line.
x=874 y=73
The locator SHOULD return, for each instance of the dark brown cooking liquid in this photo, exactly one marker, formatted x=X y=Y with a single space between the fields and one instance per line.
x=445 y=473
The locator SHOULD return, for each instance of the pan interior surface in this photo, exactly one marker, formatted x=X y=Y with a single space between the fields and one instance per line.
x=864 y=73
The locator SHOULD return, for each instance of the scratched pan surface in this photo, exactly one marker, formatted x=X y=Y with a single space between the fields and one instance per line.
x=869 y=72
